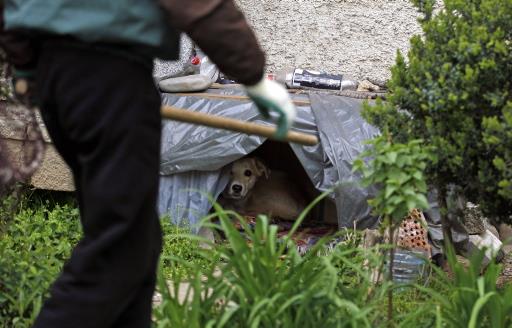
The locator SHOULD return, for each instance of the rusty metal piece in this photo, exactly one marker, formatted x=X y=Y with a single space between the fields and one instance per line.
x=412 y=233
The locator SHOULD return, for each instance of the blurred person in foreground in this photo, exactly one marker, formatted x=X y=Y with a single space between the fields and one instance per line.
x=88 y=66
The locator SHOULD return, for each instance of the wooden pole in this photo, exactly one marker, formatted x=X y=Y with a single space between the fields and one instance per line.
x=224 y=123
x=232 y=97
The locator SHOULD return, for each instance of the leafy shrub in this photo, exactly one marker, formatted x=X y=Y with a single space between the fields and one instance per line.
x=455 y=93
x=33 y=248
x=397 y=169
x=7 y=211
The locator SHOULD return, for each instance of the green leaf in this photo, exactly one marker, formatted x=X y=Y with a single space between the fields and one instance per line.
x=391 y=157
x=479 y=304
x=390 y=189
x=422 y=202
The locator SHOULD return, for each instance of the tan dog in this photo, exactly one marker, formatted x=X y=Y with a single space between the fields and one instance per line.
x=253 y=190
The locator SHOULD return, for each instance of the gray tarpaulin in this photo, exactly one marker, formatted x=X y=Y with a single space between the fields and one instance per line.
x=343 y=133
x=193 y=156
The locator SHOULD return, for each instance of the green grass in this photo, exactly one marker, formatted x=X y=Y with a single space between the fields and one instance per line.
x=37 y=233
x=176 y=244
x=263 y=283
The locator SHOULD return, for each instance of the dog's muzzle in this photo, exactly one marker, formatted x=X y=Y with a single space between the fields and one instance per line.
x=235 y=191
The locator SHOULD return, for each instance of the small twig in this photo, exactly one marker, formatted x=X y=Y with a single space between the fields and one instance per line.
x=390 y=275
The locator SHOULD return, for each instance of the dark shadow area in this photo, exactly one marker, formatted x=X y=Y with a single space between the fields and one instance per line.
x=279 y=156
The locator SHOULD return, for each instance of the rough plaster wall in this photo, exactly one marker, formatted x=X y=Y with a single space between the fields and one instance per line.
x=354 y=37
x=53 y=174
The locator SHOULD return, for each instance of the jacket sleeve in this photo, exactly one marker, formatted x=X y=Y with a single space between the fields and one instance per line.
x=221 y=31
x=18 y=47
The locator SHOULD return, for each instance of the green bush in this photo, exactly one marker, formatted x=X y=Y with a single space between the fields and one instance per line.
x=33 y=247
x=455 y=93
x=397 y=169
x=37 y=233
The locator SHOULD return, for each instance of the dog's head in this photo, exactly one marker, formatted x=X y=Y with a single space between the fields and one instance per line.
x=244 y=174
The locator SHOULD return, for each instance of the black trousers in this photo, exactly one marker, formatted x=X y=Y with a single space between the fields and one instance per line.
x=102 y=111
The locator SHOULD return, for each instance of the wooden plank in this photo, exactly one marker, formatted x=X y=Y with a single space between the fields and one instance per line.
x=232 y=97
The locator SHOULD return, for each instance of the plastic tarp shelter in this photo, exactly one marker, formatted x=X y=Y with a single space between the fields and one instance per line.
x=193 y=157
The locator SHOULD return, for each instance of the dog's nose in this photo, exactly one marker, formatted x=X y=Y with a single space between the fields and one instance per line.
x=236 y=188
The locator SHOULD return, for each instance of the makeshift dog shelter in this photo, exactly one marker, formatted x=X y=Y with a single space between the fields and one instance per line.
x=194 y=158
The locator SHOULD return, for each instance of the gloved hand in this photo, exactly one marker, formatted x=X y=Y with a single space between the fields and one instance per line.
x=271 y=96
x=23 y=82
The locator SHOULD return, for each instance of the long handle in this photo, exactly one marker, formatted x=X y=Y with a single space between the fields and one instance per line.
x=188 y=116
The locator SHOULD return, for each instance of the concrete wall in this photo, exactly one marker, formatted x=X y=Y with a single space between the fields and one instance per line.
x=355 y=37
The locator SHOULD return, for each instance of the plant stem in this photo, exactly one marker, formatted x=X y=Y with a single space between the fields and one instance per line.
x=390 y=274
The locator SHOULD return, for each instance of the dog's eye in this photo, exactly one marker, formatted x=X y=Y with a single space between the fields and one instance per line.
x=247 y=173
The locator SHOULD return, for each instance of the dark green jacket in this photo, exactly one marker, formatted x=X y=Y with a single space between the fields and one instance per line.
x=216 y=26
x=127 y=22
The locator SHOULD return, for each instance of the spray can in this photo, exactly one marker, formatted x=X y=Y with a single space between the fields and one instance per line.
x=301 y=78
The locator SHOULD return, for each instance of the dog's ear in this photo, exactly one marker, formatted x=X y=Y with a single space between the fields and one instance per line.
x=261 y=168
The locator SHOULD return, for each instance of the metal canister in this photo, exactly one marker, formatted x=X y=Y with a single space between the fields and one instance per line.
x=301 y=78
